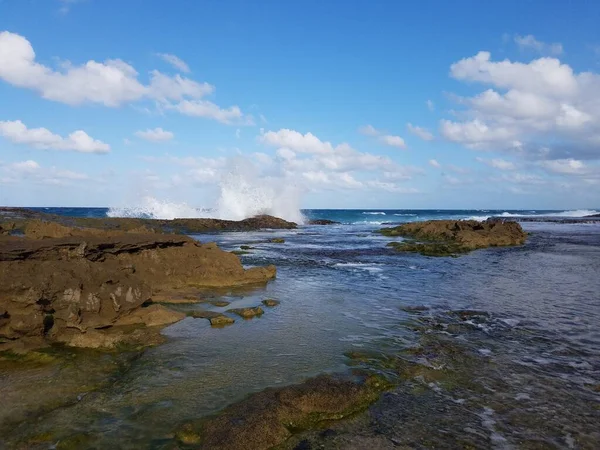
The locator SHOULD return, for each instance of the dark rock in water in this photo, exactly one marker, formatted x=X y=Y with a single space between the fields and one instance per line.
x=86 y=287
x=270 y=302
x=269 y=418
x=453 y=237
x=277 y=241
x=323 y=222
x=247 y=313
x=246 y=247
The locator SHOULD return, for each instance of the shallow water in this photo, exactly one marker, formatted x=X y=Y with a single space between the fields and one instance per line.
x=342 y=290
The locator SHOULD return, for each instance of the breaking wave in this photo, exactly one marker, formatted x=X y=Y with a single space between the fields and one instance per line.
x=573 y=213
x=378 y=213
x=243 y=193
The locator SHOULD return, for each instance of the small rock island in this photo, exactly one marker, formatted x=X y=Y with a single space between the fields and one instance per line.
x=454 y=237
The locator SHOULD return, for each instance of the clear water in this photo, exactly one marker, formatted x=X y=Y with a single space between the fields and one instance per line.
x=342 y=290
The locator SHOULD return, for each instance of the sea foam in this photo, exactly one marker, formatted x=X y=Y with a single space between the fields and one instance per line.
x=243 y=193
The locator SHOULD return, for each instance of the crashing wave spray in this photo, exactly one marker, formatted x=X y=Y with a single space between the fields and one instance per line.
x=243 y=193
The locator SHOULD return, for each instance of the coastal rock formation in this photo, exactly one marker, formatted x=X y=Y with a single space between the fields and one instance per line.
x=450 y=237
x=73 y=288
x=19 y=219
x=270 y=417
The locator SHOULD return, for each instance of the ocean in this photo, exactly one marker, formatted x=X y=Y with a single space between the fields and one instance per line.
x=525 y=321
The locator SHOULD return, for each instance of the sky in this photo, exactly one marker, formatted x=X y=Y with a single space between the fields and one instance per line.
x=340 y=104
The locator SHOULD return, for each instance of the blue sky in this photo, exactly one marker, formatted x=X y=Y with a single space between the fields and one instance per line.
x=379 y=104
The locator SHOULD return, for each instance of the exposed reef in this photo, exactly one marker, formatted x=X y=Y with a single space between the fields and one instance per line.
x=90 y=287
x=17 y=220
x=453 y=237
x=269 y=418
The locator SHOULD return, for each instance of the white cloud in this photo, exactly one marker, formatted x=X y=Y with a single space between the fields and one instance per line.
x=111 y=83
x=28 y=166
x=498 y=163
x=386 y=139
x=435 y=163
x=332 y=166
x=546 y=76
x=296 y=141
x=369 y=130
x=30 y=171
x=423 y=133
x=42 y=138
x=529 y=42
x=156 y=135
x=565 y=166
x=540 y=110
x=204 y=108
x=430 y=105
x=175 y=61
x=392 y=141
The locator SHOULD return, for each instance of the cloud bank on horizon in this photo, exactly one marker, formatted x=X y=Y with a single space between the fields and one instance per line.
x=514 y=127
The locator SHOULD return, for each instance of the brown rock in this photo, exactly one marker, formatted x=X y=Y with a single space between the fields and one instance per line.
x=447 y=237
x=216 y=319
x=270 y=302
x=268 y=418
x=247 y=313
x=151 y=316
x=221 y=320
x=50 y=286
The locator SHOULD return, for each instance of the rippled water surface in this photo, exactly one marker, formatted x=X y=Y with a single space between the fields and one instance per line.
x=342 y=290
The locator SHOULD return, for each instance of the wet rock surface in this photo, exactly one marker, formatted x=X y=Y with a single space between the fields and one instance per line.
x=270 y=302
x=247 y=313
x=453 y=237
x=70 y=285
x=269 y=418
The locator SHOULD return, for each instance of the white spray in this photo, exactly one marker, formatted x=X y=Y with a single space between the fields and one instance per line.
x=243 y=193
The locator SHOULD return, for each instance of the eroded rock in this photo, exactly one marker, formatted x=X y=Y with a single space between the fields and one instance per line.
x=452 y=237
x=72 y=288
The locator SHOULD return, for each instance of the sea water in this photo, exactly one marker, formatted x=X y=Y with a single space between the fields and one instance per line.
x=342 y=290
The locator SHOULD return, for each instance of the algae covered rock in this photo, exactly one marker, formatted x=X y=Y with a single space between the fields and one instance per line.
x=270 y=417
x=454 y=237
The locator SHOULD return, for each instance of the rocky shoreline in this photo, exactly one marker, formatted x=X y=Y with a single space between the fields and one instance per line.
x=94 y=286
x=111 y=285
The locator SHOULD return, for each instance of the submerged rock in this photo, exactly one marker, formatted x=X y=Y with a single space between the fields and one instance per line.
x=452 y=237
x=270 y=417
x=323 y=222
x=270 y=302
x=219 y=303
x=71 y=289
x=277 y=241
x=247 y=313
